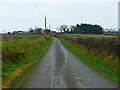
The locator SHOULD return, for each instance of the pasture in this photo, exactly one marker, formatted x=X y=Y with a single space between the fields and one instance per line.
x=90 y=35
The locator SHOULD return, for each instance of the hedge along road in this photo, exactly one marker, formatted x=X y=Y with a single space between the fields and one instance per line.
x=61 y=69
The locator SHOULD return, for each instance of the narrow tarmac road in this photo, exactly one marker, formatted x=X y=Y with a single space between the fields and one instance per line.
x=60 y=69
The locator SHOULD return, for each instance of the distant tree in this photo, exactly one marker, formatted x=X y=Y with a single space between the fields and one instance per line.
x=72 y=28
x=77 y=29
x=88 y=29
x=83 y=28
x=31 y=30
x=67 y=30
x=63 y=28
x=48 y=31
x=38 y=30
x=9 y=32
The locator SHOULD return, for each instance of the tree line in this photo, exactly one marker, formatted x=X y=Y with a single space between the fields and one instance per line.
x=38 y=30
x=83 y=29
x=35 y=30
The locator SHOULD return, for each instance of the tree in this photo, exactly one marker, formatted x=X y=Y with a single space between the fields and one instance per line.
x=83 y=29
x=77 y=28
x=63 y=28
x=38 y=30
x=31 y=30
x=72 y=28
x=88 y=29
x=9 y=32
x=67 y=30
x=48 y=31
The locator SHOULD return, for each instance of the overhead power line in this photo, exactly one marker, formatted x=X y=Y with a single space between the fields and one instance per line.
x=38 y=8
x=40 y=13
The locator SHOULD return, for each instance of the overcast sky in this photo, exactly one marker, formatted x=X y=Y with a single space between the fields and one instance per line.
x=22 y=14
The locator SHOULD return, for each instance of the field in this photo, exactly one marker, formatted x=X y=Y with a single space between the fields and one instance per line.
x=99 y=53
x=109 y=33
x=22 y=35
x=19 y=54
x=19 y=37
x=90 y=35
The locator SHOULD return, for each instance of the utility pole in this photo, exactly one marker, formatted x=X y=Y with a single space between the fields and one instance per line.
x=45 y=25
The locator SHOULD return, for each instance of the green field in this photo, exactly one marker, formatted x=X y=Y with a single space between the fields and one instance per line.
x=89 y=35
x=18 y=54
x=111 y=33
x=93 y=61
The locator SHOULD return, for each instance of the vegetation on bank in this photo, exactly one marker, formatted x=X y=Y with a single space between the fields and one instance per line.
x=18 y=56
x=98 y=62
x=108 y=48
x=90 y=35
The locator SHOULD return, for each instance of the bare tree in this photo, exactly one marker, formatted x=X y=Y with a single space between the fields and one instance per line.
x=63 y=28
x=72 y=28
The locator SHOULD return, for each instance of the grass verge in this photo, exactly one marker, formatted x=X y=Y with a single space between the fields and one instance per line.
x=19 y=56
x=90 y=35
x=93 y=61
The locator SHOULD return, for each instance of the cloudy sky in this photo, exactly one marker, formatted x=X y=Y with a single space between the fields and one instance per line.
x=22 y=14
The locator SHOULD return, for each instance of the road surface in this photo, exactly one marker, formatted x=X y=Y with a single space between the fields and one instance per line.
x=60 y=69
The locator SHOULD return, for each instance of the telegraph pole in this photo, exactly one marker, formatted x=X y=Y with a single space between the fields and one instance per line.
x=45 y=25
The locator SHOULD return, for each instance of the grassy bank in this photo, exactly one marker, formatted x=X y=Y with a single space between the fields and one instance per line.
x=95 y=62
x=19 y=56
x=90 y=35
